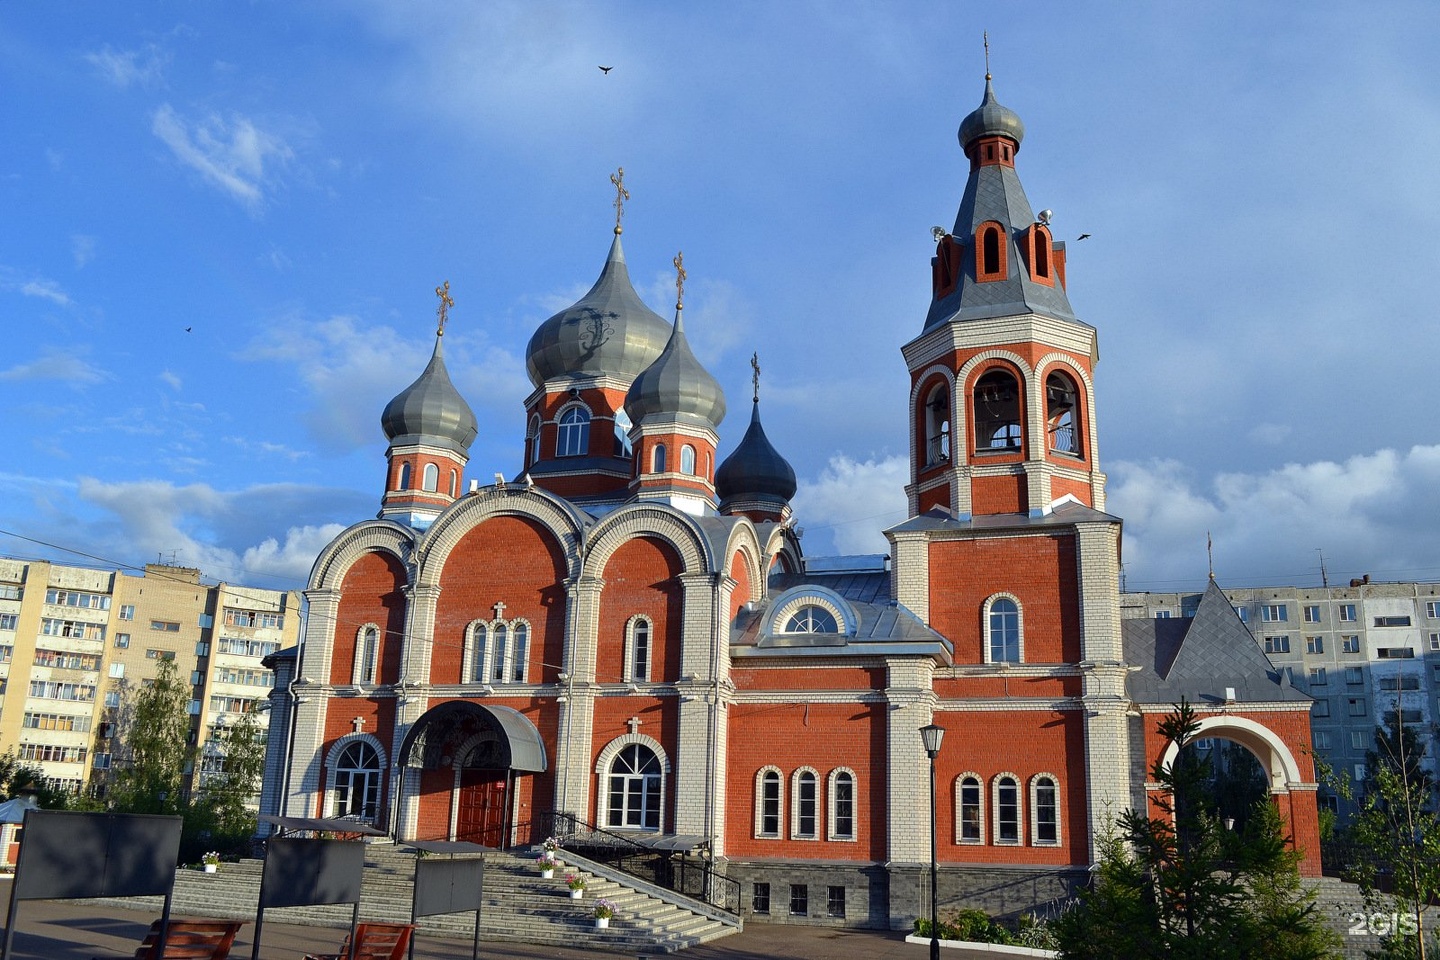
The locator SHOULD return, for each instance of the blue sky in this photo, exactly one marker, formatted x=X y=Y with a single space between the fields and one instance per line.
x=221 y=226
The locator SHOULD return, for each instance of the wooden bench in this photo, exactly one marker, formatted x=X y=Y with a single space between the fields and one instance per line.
x=190 y=940
x=373 y=941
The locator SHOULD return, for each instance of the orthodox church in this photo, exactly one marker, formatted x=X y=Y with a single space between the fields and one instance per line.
x=627 y=634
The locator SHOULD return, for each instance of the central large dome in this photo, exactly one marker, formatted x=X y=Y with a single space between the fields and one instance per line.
x=609 y=332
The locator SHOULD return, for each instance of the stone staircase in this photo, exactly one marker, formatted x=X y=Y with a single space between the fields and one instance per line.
x=519 y=906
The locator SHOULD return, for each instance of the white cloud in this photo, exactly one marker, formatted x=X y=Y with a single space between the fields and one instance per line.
x=126 y=67
x=296 y=557
x=82 y=248
x=232 y=155
x=851 y=502
x=46 y=290
x=173 y=381
x=65 y=366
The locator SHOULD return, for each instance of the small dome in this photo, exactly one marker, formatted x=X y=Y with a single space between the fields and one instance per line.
x=431 y=410
x=676 y=383
x=990 y=119
x=755 y=467
x=607 y=332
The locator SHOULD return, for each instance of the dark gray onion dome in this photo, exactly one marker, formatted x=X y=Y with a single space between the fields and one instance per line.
x=608 y=332
x=990 y=119
x=755 y=467
x=431 y=410
x=676 y=383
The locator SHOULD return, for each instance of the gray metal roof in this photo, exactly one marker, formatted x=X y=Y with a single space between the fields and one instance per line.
x=990 y=119
x=871 y=587
x=1066 y=514
x=431 y=410
x=676 y=384
x=607 y=332
x=755 y=468
x=1199 y=657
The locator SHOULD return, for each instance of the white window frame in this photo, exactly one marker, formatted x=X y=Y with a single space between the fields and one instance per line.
x=332 y=761
x=797 y=803
x=687 y=459
x=357 y=675
x=960 y=808
x=995 y=831
x=1035 y=840
x=477 y=670
x=832 y=806
x=1348 y=613
x=630 y=674
x=760 y=800
x=1432 y=609
x=606 y=760
x=985 y=612
x=572 y=438
x=430 y=478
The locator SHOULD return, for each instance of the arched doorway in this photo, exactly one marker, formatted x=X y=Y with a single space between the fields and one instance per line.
x=460 y=764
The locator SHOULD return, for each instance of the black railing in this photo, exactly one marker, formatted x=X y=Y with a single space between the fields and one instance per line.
x=681 y=871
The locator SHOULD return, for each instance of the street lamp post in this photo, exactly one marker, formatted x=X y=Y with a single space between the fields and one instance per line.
x=932 y=736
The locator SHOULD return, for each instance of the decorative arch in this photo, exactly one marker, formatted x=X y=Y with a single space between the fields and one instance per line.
x=1085 y=389
x=744 y=540
x=1266 y=744
x=370 y=809
x=643 y=520
x=385 y=536
x=1047 y=813
x=991 y=252
x=553 y=515
x=605 y=768
x=611 y=750
x=920 y=390
x=847 y=621
x=842 y=804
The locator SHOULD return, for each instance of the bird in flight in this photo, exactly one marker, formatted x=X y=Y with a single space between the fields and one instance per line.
x=606 y=69
x=188 y=329
x=1083 y=236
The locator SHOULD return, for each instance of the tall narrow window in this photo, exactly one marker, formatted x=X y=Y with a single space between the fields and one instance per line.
x=1004 y=624
x=1041 y=240
x=806 y=814
x=573 y=437
x=431 y=478
x=532 y=441
x=1045 y=804
x=687 y=460
x=1060 y=397
x=767 y=803
x=622 y=434
x=842 y=805
x=997 y=412
x=500 y=653
x=990 y=253
x=519 y=644
x=971 y=806
x=1007 y=810
x=404 y=477
x=657 y=458
x=635 y=789
x=479 y=636
x=366 y=654
x=640 y=650
x=937 y=425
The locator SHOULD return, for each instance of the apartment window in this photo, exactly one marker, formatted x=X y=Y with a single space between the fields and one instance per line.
x=1410 y=716
x=1274 y=613
x=1318 y=677
x=102 y=761
x=835 y=902
x=1314 y=644
x=767 y=803
x=122 y=640
x=74 y=598
x=1432 y=609
x=1392 y=684
x=1277 y=644
x=1162 y=614
x=1356 y=706
x=154 y=654
x=117 y=671
x=799 y=900
x=1312 y=614
x=127 y=611
x=1354 y=675
x=1350 y=644
x=112 y=699
x=1435 y=641
x=1321 y=708
x=1243 y=613
x=1347 y=613
x=202 y=649
x=1395 y=653
x=165 y=626
x=1357 y=740
x=760 y=898
x=1322 y=739
x=11 y=591
x=8 y=621
x=1392 y=621
x=805 y=805
x=842 y=805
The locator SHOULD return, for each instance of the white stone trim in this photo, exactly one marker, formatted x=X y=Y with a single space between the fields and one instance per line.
x=1035 y=840
x=648 y=520
x=831 y=780
x=332 y=758
x=995 y=834
x=1024 y=373
x=959 y=809
x=607 y=757
x=627 y=669
x=371 y=536
x=1260 y=740
x=468 y=673
x=356 y=676
x=985 y=625
x=759 y=825
x=846 y=620
x=549 y=512
x=795 y=776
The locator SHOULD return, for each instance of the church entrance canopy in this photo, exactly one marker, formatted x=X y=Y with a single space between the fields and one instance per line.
x=462 y=734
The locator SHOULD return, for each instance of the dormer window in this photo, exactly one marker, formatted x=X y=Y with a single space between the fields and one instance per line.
x=812 y=619
x=997 y=412
x=990 y=252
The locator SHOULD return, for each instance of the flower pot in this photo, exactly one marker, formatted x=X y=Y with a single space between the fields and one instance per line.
x=547 y=874
x=577 y=894
x=211 y=867
x=601 y=923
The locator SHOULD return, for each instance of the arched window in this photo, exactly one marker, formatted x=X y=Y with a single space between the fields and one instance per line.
x=657 y=458
x=431 y=481
x=1003 y=631
x=970 y=802
x=477 y=647
x=622 y=434
x=767 y=803
x=367 y=651
x=687 y=460
x=937 y=425
x=637 y=650
x=634 y=779
x=1060 y=394
x=357 y=782
x=842 y=805
x=500 y=653
x=1040 y=254
x=532 y=441
x=1044 y=810
x=454 y=483
x=1007 y=809
x=573 y=437
x=812 y=619
x=804 y=805
x=997 y=412
x=519 y=652
x=990 y=252
x=404 y=477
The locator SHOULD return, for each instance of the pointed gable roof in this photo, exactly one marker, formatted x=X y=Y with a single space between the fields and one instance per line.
x=1200 y=656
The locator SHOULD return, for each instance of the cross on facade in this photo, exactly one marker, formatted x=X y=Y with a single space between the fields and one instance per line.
x=634 y=724
x=621 y=195
x=358 y=724
x=446 y=302
x=500 y=610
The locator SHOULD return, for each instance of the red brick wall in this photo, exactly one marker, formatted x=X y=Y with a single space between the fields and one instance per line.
x=378 y=715
x=992 y=495
x=935 y=497
x=810 y=677
x=640 y=578
x=372 y=591
x=509 y=559
x=1060 y=486
x=658 y=720
x=819 y=736
x=1038 y=569
x=742 y=594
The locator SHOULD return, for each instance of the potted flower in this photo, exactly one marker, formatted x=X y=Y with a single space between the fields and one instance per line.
x=211 y=861
x=547 y=863
x=576 y=883
x=552 y=847
x=603 y=911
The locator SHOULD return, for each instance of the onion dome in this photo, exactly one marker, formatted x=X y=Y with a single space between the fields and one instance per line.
x=676 y=383
x=431 y=411
x=755 y=467
x=990 y=119
x=607 y=332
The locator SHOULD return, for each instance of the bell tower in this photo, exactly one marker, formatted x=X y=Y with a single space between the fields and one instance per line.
x=1001 y=388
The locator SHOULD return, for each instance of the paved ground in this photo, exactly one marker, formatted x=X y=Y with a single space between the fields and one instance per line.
x=63 y=930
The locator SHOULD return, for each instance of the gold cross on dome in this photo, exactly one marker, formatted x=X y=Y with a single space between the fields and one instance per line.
x=446 y=302
x=679 y=262
x=621 y=195
x=755 y=375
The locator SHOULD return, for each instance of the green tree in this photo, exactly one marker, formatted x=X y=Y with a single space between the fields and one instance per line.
x=16 y=776
x=1181 y=886
x=151 y=769
x=226 y=792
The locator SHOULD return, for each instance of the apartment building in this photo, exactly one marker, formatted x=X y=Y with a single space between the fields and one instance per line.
x=1362 y=652
x=77 y=643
